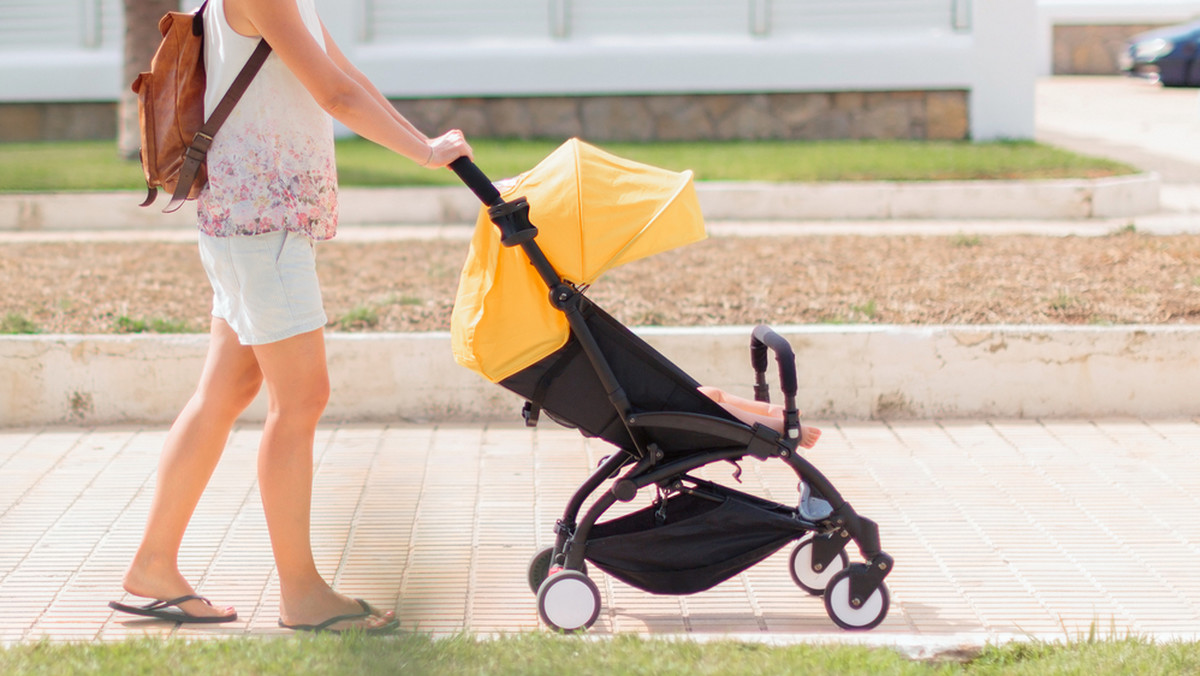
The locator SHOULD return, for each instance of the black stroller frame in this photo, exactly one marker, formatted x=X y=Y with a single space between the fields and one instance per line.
x=697 y=533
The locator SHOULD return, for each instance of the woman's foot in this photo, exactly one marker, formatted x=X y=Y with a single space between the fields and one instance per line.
x=165 y=584
x=314 y=612
x=169 y=610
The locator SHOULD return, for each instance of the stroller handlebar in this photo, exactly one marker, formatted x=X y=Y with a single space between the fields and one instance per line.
x=476 y=180
x=764 y=337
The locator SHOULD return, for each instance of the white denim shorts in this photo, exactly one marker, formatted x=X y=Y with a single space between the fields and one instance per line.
x=264 y=286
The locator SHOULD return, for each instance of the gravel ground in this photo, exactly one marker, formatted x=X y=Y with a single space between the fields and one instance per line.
x=1123 y=278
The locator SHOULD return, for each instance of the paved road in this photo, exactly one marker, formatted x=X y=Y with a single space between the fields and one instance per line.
x=1135 y=121
x=1000 y=530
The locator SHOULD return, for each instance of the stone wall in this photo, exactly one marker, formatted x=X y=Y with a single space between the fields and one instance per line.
x=57 y=121
x=934 y=115
x=808 y=115
x=1091 y=50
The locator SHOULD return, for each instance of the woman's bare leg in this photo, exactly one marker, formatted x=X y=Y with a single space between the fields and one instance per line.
x=298 y=386
x=229 y=383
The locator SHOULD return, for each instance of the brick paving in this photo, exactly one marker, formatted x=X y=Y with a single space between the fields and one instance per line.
x=999 y=529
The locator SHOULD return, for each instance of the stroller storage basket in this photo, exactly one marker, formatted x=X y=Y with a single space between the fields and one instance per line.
x=705 y=538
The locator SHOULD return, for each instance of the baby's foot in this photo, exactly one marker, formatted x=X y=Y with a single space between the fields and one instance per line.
x=809 y=435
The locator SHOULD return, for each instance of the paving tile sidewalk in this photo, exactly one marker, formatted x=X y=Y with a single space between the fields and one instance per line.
x=999 y=529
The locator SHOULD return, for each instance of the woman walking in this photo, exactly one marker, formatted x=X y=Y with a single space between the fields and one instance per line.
x=272 y=193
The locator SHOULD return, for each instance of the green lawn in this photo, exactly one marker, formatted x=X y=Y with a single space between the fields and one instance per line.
x=540 y=653
x=76 y=166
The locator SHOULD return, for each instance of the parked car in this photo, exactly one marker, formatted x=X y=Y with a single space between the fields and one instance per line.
x=1171 y=54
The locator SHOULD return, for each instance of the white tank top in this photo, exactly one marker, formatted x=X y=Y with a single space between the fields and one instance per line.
x=271 y=165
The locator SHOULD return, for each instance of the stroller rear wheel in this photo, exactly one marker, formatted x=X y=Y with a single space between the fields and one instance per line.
x=539 y=568
x=568 y=601
x=850 y=613
x=806 y=576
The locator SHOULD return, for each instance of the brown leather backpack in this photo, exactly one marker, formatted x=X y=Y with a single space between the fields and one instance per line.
x=175 y=136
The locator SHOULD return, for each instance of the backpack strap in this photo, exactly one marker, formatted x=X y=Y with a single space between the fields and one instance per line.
x=198 y=20
x=197 y=152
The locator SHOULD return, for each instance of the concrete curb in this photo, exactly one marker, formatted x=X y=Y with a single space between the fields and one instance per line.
x=1118 y=197
x=856 y=372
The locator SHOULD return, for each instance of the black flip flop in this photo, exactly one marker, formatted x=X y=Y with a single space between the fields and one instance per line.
x=324 y=627
x=169 y=611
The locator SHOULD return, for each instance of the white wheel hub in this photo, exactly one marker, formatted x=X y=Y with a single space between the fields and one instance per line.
x=837 y=598
x=810 y=580
x=569 y=601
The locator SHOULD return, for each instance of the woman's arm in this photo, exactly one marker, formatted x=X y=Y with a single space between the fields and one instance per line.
x=349 y=68
x=360 y=108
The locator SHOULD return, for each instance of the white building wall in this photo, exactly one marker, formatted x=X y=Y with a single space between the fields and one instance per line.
x=60 y=50
x=589 y=47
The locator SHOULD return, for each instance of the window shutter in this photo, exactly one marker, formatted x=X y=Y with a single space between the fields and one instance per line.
x=660 y=18
x=60 y=24
x=414 y=20
x=825 y=16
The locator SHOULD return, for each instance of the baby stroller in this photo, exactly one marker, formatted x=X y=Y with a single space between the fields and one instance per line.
x=594 y=374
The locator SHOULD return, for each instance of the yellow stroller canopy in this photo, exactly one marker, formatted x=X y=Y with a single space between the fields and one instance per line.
x=594 y=211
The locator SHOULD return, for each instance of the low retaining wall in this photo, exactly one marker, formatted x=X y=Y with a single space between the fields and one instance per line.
x=913 y=114
x=861 y=372
x=1068 y=199
x=903 y=114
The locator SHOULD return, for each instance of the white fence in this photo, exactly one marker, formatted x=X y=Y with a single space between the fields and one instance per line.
x=69 y=50
x=391 y=21
x=39 y=25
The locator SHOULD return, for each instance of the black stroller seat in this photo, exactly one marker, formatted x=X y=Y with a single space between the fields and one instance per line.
x=568 y=387
x=610 y=384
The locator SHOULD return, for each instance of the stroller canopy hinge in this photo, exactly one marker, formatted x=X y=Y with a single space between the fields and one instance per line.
x=512 y=219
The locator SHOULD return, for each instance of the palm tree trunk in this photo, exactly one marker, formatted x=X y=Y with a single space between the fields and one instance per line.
x=141 y=40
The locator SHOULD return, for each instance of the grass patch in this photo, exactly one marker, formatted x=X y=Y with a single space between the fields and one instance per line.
x=966 y=241
x=95 y=165
x=124 y=324
x=868 y=310
x=539 y=653
x=359 y=318
x=1064 y=302
x=15 y=323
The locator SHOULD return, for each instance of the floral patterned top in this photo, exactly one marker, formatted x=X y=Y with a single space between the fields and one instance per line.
x=271 y=165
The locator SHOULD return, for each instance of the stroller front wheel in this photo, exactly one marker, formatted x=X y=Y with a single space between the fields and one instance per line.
x=568 y=601
x=866 y=614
